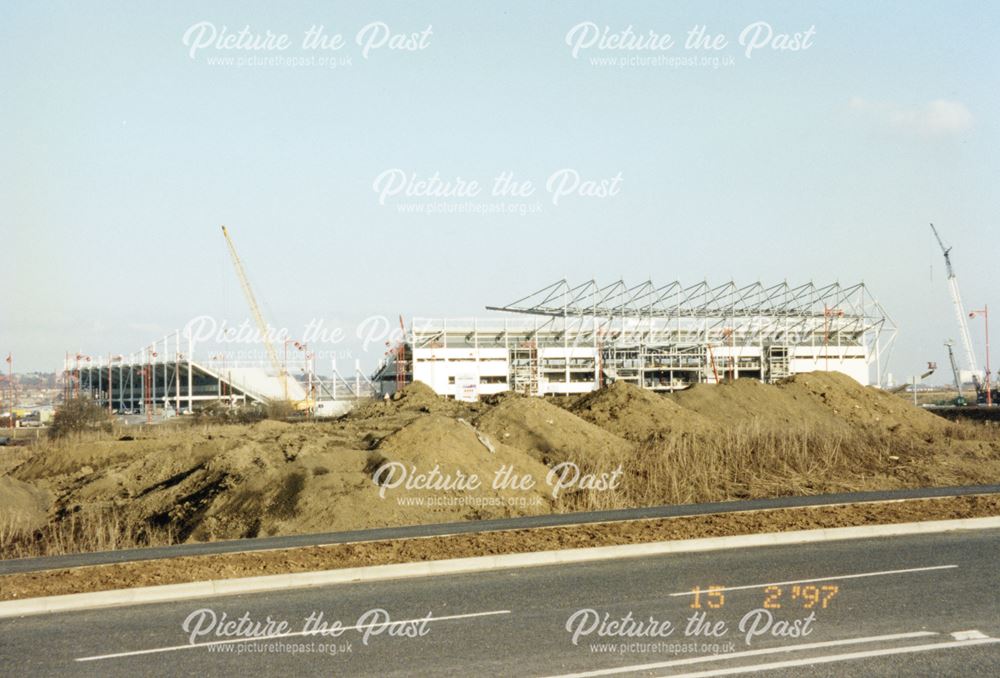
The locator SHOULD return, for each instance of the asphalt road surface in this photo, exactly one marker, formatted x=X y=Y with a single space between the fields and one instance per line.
x=926 y=605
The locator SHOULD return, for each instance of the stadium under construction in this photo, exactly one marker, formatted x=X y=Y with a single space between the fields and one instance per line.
x=161 y=378
x=562 y=339
x=570 y=339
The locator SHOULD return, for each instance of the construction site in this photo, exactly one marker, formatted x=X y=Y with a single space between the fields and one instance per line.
x=164 y=378
x=966 y=375
x=563 y=339
x=566 y=339
x=685 y=393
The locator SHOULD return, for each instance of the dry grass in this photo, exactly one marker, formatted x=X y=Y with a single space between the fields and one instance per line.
x=81 y=532
x=987 y=431
x=748 y=460
x=753 y=461
x=72 y=441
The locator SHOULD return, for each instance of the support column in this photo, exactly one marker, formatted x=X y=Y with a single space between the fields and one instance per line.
x=152 y=378
x=166 y=378
x=177 y=371
x=878 y=362
x=190 y=357
x=142 y=383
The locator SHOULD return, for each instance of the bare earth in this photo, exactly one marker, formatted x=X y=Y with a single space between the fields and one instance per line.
x=812 y=434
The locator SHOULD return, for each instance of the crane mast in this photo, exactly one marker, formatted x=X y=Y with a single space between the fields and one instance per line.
x=258 y=317
x=954 y=368
x=956 y=300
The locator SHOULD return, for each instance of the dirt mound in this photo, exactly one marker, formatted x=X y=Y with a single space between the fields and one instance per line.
x=416 y=399
x=416 y=394
x=850 y=402
x=439 y=439
x=458 y=450
x=25 y=507
x=749 y=401
x=65 y=458
x=271 y=426
x=636 y=414
x=200 y=483
x=365 y=426
x=816 y=401
x=205 y=482
x=229 y=482
x=551 y=434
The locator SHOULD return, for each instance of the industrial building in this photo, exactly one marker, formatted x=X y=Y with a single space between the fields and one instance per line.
x=570 y=339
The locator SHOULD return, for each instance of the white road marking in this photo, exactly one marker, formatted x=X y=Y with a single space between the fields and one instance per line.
x=829 y=659
x=973 y=634
x=229 y=641
x=748 y=653
x=834 y=578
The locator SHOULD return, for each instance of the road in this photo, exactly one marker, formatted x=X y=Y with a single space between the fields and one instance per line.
x=913 y=606
x=17 y=565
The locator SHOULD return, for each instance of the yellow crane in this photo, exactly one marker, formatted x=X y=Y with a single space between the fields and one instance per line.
x=258 y=317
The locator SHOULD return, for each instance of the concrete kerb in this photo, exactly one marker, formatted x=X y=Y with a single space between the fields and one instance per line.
x=221 y=587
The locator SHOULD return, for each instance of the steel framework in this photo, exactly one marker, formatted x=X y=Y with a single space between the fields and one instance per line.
x=778 y=315
x=166 y=375
x=665 y=337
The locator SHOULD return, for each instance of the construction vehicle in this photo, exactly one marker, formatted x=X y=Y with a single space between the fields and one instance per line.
x=263 y=327
x=956 y=300
x=960 y=400
x=963 y=328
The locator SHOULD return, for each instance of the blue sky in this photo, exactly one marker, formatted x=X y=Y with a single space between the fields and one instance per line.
x=122 y=154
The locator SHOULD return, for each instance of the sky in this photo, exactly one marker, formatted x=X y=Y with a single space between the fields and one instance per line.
x=132 y=130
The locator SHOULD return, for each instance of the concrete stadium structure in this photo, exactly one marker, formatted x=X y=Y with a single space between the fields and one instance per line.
x=566 y=339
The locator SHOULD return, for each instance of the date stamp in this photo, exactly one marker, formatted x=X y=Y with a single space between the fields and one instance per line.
x=807 y=597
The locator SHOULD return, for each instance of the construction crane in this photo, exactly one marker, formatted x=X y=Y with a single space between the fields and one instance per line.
x=258 y=317
x=954 y=370
x=956 y=299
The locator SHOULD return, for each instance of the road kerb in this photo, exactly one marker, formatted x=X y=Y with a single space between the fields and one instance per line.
x=277 y=582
